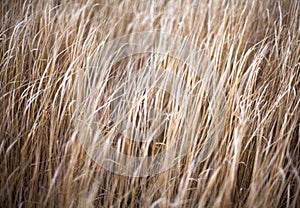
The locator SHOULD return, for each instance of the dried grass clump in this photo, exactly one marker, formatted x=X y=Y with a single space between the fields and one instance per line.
x=45 y=50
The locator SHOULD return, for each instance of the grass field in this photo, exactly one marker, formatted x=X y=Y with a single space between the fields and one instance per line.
x=63 y=90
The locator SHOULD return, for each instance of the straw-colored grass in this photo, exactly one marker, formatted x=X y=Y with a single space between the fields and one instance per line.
x=47 y=54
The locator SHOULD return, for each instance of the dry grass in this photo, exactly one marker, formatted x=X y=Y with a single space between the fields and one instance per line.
x=45 y=52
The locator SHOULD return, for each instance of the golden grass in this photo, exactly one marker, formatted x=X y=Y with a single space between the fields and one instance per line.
x=44 y=79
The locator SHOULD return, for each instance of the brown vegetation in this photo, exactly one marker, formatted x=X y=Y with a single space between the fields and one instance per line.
x=45 y=50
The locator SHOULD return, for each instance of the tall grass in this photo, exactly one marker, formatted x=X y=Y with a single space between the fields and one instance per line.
x=46 y=50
